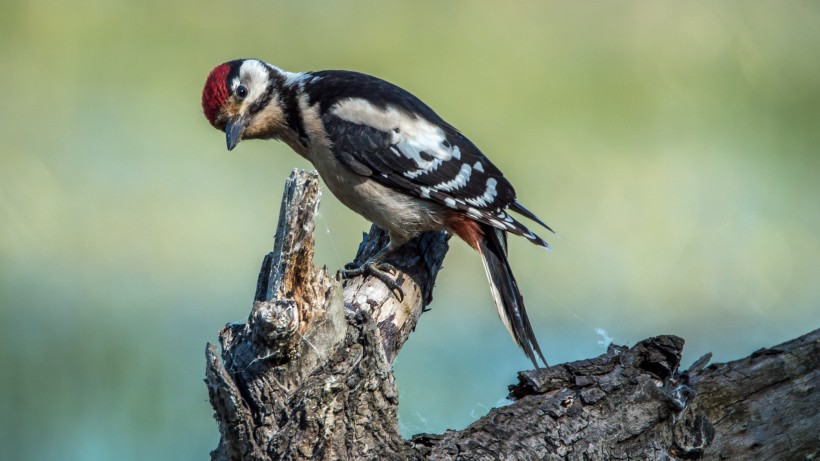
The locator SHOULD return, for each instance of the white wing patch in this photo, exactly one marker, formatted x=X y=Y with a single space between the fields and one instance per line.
x=412 y=137
x=426 y=145
x=422 y=142
x=488 y=197
x=456 y=183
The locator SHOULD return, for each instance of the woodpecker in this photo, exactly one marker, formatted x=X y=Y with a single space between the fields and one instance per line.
x=387 y=156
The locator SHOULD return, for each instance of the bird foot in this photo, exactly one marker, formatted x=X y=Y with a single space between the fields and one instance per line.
x=381 y=271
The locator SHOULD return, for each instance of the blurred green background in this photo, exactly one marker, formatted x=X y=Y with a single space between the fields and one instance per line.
x=675 y=149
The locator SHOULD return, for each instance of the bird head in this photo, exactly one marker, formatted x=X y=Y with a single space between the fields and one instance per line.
x=241 y=98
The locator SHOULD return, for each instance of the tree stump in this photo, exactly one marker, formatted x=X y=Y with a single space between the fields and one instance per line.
x=309 y=376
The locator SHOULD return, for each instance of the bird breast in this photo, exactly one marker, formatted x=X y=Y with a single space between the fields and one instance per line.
x=402 y=215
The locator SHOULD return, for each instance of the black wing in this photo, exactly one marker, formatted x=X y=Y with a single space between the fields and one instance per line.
x=436 y=164
x=382 y=131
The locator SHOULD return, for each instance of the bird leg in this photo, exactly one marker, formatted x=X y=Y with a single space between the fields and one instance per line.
x=375 y=267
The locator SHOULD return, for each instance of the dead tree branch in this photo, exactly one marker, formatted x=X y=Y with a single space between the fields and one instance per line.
x=308 y=376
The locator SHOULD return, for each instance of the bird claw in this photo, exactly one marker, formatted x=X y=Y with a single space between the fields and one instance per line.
x=381 y=271
x=351 y=267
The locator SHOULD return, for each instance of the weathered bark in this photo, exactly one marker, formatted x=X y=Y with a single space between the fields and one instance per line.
x=635 y=404
x=308 y=376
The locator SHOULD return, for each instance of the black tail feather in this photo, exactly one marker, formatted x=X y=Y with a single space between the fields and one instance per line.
x=519 y=208
x=507 y=297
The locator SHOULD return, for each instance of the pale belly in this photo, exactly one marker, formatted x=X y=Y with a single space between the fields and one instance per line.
x=403 y=216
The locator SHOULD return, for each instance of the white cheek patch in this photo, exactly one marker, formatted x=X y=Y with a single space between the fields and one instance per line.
x=254 y=75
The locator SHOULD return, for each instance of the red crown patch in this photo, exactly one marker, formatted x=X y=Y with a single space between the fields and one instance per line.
x=215 y=92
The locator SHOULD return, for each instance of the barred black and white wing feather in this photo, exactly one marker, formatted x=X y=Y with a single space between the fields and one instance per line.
x=400 y=142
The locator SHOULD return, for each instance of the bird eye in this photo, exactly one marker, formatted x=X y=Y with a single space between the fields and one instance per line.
x=241 y=91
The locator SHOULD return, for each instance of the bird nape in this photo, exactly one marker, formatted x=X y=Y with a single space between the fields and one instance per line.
x=387 y=156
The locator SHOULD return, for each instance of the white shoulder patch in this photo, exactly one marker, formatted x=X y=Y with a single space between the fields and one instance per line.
x=295 y=78
x=414 y=137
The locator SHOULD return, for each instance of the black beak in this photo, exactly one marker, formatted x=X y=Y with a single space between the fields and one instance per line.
x=234 y=130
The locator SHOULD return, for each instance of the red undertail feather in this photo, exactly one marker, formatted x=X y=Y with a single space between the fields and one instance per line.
x=468 y=229
x=491 y=244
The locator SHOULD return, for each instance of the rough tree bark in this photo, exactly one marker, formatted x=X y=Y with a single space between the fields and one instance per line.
x=308 y=376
